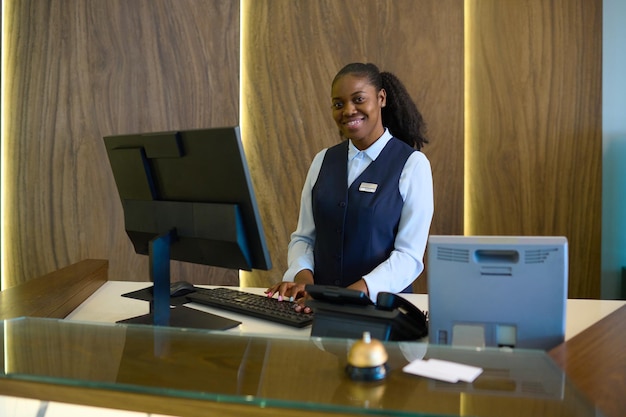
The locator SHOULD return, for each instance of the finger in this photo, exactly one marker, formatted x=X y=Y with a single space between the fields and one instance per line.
x=272 y=290
x=294 y=292
x=276 y=289
x=286 y=292
x=301 y=308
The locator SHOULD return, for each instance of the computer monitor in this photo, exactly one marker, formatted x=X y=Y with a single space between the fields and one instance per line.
x=497 y=290
x=187 y=195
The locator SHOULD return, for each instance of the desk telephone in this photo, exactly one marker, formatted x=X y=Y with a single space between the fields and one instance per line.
x=342 y=312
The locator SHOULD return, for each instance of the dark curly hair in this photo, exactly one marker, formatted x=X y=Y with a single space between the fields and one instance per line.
x=400 y=115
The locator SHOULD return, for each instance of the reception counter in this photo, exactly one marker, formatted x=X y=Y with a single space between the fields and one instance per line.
x=183 y=372
x=192 y=371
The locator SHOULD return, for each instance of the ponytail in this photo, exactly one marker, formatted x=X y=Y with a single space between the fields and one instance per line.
x=400 y=115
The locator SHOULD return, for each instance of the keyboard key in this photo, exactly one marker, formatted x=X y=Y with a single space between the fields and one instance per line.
x=254 y=305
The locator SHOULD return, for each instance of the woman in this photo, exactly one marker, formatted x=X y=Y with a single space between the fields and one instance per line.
x=367 y=203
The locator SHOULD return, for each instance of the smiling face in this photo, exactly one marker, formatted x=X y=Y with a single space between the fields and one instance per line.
x=357 y=109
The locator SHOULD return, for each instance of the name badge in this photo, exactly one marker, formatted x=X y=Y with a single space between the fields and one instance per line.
x=368 y=187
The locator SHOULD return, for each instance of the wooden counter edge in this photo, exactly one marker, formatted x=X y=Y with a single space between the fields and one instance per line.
x=595 y=362
x=54 y=295
x=147 y=403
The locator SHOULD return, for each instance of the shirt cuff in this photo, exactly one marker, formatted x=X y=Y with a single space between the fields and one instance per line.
x=373 y=289
x=290 y=273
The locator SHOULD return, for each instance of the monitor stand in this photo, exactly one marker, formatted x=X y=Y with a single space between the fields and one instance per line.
x=161 y=313
x=187 y=318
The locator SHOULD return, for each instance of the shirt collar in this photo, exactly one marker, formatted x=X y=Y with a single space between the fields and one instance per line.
x=374 y=150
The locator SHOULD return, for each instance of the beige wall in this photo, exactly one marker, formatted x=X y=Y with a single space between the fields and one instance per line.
x=79 y=70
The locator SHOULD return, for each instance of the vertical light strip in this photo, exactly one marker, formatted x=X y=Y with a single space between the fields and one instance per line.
x=4 y=106
x=243 y=119
x=467 y=116
x=7 y=335
x=6 y=345
x=3 y=139
x=464 y=404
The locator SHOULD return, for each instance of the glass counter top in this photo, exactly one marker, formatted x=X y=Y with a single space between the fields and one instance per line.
x=288 y=373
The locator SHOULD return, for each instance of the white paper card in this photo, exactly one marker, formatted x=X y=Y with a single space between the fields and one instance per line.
x=465 y=373
x=423 y=368
x=443 y=370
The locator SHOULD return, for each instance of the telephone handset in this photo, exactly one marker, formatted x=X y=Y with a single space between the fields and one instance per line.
x=413 y=316
x=342 y=312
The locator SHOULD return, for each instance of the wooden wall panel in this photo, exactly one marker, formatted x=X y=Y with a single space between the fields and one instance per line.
x=82 y=70
x=293 y=49
x=534 y=117
x=79 y=70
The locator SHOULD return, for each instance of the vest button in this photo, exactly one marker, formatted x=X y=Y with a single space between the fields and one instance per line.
x=342 y=204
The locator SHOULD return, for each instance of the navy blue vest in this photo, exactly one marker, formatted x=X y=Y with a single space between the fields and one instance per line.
x=356 y=229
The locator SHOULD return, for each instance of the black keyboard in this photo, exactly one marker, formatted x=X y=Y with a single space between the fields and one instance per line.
x=255 y=305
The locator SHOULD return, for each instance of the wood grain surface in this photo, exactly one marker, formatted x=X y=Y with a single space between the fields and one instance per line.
x=81 y=70
x=525 y=117
x=595 y=361
x=293 y=49
x=54 y=295
x=533 y=128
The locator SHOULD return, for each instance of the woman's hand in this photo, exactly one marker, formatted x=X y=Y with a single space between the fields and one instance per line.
x=288 y=291
x=293 y=291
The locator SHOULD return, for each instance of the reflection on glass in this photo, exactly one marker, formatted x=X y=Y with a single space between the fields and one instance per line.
x=307 y=373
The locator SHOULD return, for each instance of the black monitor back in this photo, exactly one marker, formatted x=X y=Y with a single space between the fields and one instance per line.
x=197 y=183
